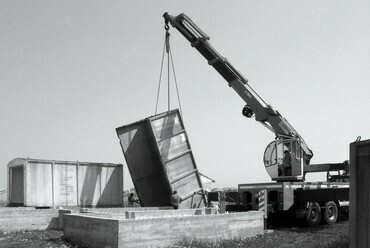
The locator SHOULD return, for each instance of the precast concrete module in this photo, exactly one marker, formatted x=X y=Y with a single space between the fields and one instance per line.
x=55 y=183
x=160 y=160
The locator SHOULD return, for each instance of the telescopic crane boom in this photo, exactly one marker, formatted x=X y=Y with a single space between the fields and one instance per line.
x=287 y=138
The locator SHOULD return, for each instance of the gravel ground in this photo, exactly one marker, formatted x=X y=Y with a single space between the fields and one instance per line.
x=335 y=236
x=280 y=237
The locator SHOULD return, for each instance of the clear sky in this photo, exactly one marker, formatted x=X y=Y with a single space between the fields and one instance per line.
x=73 y=71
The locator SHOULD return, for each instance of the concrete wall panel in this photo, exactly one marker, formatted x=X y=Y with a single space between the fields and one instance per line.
x=360 y=194
x=161 y=232
x=91 y=231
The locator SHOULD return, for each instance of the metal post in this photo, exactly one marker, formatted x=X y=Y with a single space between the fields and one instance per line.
x=221 y=202
x=262 y=204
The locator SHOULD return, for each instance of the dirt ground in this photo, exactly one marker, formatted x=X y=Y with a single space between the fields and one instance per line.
x=279 y=237
x=33 y=239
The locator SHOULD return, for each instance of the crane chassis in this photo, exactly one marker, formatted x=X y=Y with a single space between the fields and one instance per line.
x=315 y=201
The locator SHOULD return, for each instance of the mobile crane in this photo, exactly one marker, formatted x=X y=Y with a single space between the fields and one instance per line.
x=289 y=192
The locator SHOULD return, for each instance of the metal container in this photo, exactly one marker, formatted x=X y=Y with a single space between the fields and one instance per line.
x=160 y=160
x=48 y=183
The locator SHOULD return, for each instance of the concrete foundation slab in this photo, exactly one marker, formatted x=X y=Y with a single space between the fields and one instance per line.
x=159 y=232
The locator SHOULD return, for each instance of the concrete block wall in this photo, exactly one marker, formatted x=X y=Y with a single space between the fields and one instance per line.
x=159 y=232
x=14 y=219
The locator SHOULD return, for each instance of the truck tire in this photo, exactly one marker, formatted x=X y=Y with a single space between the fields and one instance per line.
x=330 y=212
x=313 y=214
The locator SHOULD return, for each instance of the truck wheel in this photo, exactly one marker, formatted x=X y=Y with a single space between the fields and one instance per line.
x=330 y=212
x=314 y=214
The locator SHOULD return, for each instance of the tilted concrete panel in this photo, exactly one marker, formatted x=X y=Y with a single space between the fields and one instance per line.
x=160 y=160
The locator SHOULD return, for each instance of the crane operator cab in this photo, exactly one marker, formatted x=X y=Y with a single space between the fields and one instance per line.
x=284 y=160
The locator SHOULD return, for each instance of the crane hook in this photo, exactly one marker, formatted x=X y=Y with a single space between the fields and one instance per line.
x=166 y=27
x=167 y=41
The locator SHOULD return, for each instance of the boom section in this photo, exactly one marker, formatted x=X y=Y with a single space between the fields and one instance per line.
x=263 y=112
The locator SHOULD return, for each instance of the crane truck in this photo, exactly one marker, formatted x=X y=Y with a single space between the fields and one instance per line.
x=286 y=159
